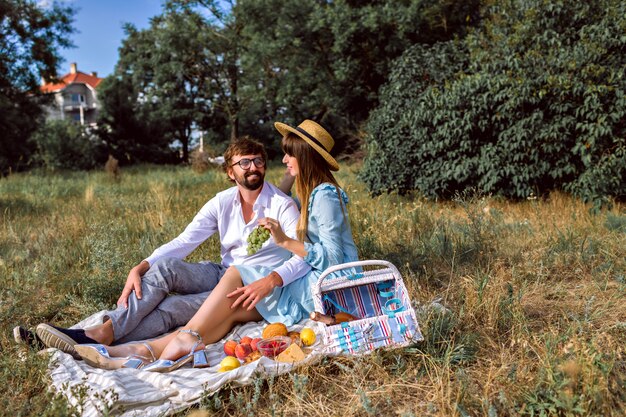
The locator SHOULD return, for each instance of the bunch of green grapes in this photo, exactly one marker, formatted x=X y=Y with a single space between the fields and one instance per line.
x=256 y=239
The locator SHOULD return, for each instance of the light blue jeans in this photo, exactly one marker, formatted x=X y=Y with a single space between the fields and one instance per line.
x=172 y=292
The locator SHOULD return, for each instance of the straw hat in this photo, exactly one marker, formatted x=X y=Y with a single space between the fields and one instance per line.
x=315 y=135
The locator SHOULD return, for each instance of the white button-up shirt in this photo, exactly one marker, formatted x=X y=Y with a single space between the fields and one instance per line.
x=223 y=214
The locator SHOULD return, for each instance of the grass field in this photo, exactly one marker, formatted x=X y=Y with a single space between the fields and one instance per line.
x=532 y=316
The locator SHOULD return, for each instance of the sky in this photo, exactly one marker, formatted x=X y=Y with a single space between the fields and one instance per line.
x=99 y=32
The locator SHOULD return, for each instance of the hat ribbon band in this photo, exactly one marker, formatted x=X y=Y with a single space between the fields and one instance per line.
x=305 y=133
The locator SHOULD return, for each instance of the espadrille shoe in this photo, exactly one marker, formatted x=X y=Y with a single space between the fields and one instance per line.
x=62 y=339
x=23 y=336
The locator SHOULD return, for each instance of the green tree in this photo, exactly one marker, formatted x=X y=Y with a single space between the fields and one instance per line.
x=63 y=144
x=369 y=35
x=538 y=105
x=185 y=74
x=164 y=68
x=226 y=67
x=220 y=64
x=326 y=60
x=128 y=135
x=287 y=61
x=30 y=37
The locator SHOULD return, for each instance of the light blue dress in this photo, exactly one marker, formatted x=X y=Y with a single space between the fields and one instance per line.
x=329 y=242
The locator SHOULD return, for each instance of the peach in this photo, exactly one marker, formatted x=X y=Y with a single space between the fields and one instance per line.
x=242 y=350
x=230 y=347
x=254 y=342
x=246 y=339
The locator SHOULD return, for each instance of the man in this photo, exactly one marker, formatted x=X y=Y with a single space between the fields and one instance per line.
x=146 y=309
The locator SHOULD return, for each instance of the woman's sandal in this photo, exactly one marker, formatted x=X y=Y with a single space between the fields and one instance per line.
x=198 y=357
x=98 y=357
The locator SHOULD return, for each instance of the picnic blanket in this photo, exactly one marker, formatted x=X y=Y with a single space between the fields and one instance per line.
x=131 y=392
x=378 y=297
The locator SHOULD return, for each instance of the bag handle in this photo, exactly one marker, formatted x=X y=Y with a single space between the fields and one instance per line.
x=316 y=288
x=347 y=265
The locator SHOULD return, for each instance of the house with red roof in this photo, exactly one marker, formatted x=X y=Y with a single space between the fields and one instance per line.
x=75 y=97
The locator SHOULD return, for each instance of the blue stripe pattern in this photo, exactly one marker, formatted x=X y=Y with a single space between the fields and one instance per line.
x=362 y=301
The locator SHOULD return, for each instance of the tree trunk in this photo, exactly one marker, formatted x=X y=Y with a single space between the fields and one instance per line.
x=234 y=127
x=233 y=77
x=184 y=140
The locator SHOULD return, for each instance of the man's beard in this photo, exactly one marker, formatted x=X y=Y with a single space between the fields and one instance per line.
x=252 y=185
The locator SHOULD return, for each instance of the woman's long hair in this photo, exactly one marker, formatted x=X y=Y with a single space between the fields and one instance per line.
x=313 y=170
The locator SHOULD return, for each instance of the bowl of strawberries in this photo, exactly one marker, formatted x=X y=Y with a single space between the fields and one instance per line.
x=273 y=346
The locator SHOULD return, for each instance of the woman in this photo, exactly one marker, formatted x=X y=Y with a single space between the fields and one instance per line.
x=324 y=239
x=324 y=236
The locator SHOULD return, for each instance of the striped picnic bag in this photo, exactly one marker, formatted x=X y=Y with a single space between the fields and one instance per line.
x=376 y=297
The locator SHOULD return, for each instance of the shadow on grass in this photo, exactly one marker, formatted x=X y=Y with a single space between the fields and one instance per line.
x=401 y=255
x=18 y=206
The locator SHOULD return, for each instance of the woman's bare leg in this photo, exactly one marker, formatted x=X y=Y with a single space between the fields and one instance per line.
x=140 y=349
x=213 y=321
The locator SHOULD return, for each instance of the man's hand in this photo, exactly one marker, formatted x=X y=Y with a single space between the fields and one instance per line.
x=251 y=294
x=133 y=283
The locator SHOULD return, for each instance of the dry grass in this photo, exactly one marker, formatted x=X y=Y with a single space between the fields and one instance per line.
x=534 y=291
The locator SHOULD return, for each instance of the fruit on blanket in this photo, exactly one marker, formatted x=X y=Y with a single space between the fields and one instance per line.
x=229 y=362
x=274 y=329
x=273 y=346
x=242 y=350
x=253 y=344
x=227 y=368
x=229 y=347
x=307 y=336
x=253 y=356
x=295 y=337
x=246 y=339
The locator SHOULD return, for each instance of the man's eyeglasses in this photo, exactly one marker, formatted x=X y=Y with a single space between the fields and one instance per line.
x=245 y=163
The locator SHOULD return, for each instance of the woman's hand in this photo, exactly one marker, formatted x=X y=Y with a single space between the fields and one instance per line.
x=251 y=294
x=274 y=227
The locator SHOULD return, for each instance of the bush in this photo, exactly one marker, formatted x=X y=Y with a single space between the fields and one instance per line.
x=539 y=104
x=67 y=145
x=393 y=141
x=19 y=116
